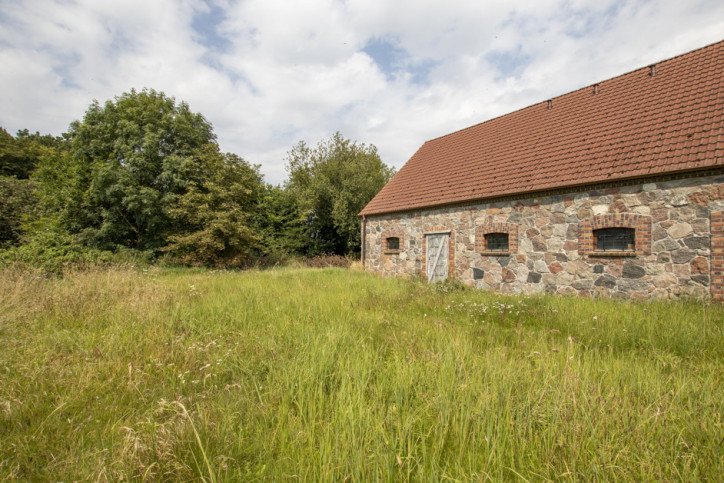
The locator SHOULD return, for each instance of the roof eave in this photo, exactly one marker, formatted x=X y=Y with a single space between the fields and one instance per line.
x=717 y=165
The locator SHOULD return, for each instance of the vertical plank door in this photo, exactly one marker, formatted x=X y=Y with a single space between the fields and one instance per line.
x=437 y=253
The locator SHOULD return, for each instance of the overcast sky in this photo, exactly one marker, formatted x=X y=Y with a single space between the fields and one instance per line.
x=269 y=73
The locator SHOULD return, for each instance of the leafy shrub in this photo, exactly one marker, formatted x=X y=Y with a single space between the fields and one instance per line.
x=55 y=253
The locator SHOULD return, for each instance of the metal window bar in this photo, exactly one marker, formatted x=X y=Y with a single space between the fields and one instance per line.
x=393 y=243
x=496 y=242
x=616 y=239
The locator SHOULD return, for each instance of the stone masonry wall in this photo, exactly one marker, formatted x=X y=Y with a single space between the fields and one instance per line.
x=552 y=234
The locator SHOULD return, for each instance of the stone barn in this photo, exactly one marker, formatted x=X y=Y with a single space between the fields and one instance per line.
x=614 y=189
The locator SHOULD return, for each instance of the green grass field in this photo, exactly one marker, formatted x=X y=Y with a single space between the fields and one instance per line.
x=332 y=374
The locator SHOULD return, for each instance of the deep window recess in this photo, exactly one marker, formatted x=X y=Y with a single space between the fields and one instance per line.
x=393 y=243
x=496 y=242
x=615 y=239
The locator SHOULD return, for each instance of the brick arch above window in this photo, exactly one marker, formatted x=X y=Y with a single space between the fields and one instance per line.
x=640 y=223
x=511 y=229
x=394 y=233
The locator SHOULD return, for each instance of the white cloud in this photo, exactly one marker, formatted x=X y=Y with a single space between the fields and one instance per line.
x=291 y=71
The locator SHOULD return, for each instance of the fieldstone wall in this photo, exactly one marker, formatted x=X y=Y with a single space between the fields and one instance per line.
x=553 y=251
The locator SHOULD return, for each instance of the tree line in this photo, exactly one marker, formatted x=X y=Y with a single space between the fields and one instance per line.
x=144 y=175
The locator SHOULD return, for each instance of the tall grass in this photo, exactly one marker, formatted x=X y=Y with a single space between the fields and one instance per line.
x=333 y=374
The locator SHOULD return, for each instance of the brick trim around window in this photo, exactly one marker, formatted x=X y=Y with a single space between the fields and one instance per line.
x=717 y=256
x=511 y=229
x=641 y=223
x=399 y=234
x=450 y=251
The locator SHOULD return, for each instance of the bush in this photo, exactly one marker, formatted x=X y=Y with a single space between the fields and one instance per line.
x=55 y=253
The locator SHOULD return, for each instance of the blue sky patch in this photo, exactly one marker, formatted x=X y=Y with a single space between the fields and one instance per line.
x=420 y=71
x=394 y=60
x=508 y=63
x=65 y=68
x=389 y=57
x=585 y=22
x=205 y=24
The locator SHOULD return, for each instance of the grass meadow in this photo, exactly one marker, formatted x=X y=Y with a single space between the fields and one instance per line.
x=301 y=374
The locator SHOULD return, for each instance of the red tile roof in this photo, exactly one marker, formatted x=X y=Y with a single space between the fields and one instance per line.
x=635 y=125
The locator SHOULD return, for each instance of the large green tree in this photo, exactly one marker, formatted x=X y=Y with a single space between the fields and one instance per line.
x=129 y=161
x=330 y=185
x=214 y=217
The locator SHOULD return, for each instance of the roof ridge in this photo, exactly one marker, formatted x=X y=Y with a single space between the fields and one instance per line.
x=588 y=86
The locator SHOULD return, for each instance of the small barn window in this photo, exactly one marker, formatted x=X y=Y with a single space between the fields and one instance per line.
x=615 y=239
x=496 y=242
x=615 y=235
x=393 y=244
x=496 y=239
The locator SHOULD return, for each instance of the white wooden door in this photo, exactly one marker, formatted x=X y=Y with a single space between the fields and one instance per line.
x=437 y=253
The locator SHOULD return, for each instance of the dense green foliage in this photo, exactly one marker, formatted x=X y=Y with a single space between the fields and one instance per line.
x=282 y=231
x=334 y=375
x=18 y=202
x=20 y=155
x=130 y=160
x=215 y=215
x=330 y=185
x=143 y=173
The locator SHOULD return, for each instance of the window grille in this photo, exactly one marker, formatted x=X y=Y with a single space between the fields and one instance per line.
x=496 y=242
x=615 y=239
x=393 y=243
